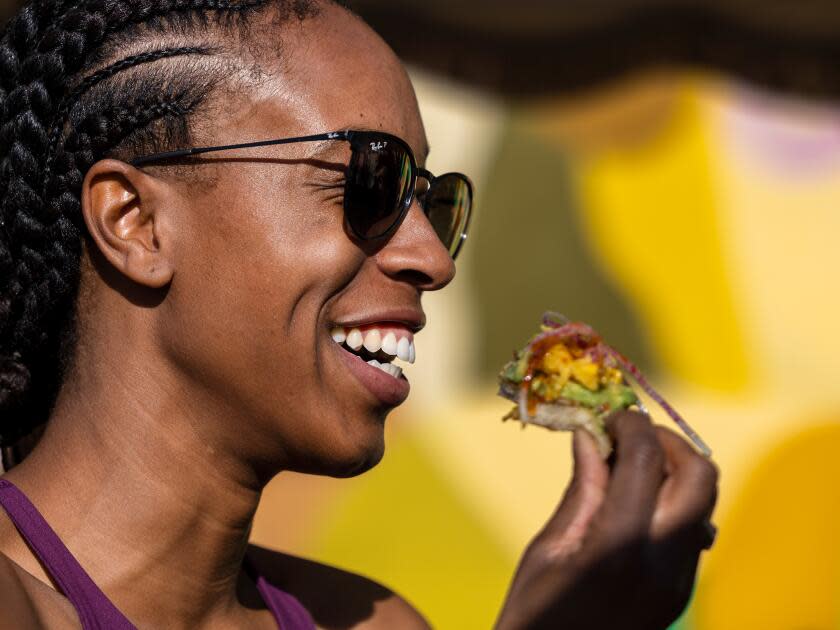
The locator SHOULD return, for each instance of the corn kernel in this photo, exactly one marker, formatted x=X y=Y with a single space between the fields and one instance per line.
x=585 y=372
x=556 y=360
x=612 y=375
x=556 y=382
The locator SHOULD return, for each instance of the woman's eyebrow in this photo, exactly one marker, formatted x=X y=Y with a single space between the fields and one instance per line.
x=326 y=152
x=326 y=146
x=322 y=155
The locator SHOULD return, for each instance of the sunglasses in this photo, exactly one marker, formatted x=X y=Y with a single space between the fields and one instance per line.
x=380 y=185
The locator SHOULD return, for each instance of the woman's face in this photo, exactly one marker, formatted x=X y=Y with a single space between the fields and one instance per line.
x=265 y=267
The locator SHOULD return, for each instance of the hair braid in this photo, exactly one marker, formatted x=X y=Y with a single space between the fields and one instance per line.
x=64 y=104
x=93 y=79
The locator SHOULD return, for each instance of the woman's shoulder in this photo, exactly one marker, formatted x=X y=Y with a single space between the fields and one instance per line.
x=15 y=601
x=336 y=598
x=28 y=604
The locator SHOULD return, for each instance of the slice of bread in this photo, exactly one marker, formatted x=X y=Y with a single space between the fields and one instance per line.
x=564 y=417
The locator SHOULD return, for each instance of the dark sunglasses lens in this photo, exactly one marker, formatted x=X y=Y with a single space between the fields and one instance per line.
x=378 y=182
x=447 y=204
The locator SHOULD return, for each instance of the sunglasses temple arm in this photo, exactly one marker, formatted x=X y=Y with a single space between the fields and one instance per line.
x=169 y=155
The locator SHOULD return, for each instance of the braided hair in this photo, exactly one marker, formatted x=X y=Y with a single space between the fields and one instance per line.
x=70 y=96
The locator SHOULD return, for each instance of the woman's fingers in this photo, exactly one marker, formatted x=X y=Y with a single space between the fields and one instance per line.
x=590 y=469
x=583 y=496
x=689 y=494
x=658 y=488
x=601 y=543
x=637 y=476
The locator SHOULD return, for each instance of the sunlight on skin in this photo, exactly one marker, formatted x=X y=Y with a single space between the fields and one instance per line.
x=367 y=524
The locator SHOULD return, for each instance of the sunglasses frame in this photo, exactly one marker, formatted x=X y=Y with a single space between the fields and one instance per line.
x=357 y=139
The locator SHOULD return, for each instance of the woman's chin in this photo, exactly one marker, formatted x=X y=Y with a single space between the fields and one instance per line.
x=345 y=466
x=342 y=457
x=360 y=465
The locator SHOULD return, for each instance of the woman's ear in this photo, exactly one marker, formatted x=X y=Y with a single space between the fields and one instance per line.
x=122 y=209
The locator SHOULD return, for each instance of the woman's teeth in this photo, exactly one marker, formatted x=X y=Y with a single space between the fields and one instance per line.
x=404 y=349
x=389 y=344
x=388 y=368
x=374 y=342
x=355 y=340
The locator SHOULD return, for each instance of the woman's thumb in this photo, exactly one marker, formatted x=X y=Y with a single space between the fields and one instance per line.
x=586 y=489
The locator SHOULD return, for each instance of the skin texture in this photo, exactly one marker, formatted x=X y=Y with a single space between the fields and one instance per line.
x=205 y=364
x=205 y=367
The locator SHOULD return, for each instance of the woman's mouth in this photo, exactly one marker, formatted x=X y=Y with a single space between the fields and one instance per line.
x=369 y=351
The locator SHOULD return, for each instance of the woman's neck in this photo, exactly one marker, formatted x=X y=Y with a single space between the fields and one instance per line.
x=144 y=497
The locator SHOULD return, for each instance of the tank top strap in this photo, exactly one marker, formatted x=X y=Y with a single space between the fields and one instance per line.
x=95 y=610
x=287 y=610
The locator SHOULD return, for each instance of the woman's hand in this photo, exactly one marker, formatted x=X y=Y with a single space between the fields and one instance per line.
x=621 y=550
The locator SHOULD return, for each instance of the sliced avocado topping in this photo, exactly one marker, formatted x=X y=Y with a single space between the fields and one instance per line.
x=516 y=370
x=607 y=398
x=613 y=396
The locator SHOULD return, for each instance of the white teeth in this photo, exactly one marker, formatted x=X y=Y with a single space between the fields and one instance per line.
x=354 y=339
x=373 y=340
x=403 y=351
x=389 y=344
x=388 y=368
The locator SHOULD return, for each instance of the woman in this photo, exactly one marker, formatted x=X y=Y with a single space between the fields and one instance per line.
x=185 y=323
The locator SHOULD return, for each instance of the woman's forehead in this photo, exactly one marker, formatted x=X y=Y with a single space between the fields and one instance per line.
x=336 y=73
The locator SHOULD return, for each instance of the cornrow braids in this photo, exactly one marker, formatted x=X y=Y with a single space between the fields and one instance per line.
x=70 y=96
x=100 y=75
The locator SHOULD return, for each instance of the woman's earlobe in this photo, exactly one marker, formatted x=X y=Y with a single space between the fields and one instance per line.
x=120 y=209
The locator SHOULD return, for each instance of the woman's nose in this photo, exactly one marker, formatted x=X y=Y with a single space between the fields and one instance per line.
x=416 y=254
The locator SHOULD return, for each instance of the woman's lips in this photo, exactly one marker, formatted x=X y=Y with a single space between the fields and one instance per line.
x=389 y=390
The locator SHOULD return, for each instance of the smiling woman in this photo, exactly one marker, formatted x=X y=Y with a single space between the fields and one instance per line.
x=216 y=233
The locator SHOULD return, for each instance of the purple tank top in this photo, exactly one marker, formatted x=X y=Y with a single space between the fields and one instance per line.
x=95 y=610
